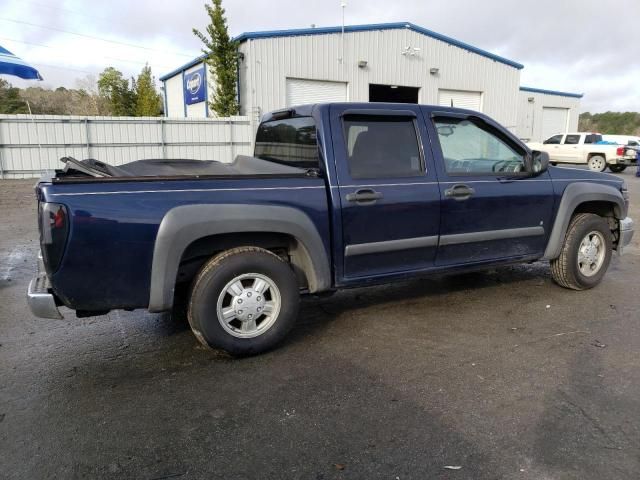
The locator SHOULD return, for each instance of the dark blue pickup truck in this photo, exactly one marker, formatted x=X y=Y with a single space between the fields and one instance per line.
x=335 y=196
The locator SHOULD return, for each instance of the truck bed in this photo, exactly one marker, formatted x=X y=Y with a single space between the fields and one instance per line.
x=115 y=220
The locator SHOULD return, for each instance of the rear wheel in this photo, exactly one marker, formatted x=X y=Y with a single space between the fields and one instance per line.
x=244 y=301
x=597 y=163
x=617 y=168
x=586 y=253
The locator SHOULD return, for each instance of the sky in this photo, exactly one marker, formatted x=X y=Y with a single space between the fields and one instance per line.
x=583 y=46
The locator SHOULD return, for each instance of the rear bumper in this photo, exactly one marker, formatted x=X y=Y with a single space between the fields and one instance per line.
x=41 y=301
x=626 y=234
x=628 y=161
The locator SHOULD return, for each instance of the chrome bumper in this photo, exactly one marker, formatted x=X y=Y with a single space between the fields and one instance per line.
x=626 y=234
x=40 y=300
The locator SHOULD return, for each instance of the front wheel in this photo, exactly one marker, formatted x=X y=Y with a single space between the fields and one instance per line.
x=597 y=163
x=244 y=301
x=617 y=168
x=586 y=253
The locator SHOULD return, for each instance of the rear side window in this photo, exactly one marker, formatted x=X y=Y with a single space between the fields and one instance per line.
x=592 y=138
x=290 y=141
x=572 y=140
x=382 y=147
x=555 y=140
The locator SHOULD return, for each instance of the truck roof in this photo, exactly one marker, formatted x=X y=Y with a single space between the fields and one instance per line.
x=307 y=110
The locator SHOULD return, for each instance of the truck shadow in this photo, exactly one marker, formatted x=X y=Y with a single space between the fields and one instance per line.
x=317 y=312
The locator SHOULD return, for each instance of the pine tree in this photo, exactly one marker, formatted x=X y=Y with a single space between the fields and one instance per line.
x=222 y=57
x=114 y=88
x=148 y=101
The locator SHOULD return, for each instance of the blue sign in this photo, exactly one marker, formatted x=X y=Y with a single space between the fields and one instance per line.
x=195 y=87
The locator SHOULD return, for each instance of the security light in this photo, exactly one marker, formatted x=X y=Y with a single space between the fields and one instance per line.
x=362 y=64
x=434 y=71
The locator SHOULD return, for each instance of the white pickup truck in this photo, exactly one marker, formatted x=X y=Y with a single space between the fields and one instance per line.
x=583 y=148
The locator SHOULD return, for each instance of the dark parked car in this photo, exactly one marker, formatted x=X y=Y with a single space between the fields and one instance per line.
x=336 y=196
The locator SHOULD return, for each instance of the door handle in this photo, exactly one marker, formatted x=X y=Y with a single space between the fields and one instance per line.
x=364 y=196
x=459 y=192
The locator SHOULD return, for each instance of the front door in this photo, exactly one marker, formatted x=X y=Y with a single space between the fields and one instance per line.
x=492 y=207
x=388 y=191
x=571 y=149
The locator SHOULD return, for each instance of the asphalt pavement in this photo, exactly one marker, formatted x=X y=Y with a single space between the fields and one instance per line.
x=492 y=375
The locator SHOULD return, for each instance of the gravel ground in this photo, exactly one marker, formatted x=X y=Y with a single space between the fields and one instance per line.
x=501 y=373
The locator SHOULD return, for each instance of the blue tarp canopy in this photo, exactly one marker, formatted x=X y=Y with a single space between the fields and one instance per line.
x=12 y=65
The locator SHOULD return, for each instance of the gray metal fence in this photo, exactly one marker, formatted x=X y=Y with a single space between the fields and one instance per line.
x=31 y=144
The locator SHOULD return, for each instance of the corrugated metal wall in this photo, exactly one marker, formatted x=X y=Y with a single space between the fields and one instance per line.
x=30 y=145
x=530 y=113
x=269 y=62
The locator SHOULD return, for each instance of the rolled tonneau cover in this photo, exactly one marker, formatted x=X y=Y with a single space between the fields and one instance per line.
x=242 y=165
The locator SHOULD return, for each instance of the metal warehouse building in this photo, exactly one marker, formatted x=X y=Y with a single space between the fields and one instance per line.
x=391 y=62
x=543 y=113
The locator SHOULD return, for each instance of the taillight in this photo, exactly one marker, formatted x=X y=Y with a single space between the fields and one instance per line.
x=620 y=151
x=54 y=229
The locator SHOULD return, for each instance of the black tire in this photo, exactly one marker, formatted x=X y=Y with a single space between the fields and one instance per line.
x=617 y=168
x=565 y=269
x=208 y=287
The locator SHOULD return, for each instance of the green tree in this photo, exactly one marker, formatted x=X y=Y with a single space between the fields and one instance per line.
x=10 y=100
x=222 y=57
x=148 y=101
x=114 y=88
x=614 y=123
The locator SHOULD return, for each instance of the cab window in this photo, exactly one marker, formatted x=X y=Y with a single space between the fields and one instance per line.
x=473 y=148
x=291 y=141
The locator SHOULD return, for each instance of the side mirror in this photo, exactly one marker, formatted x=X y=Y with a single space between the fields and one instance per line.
x=539 y=162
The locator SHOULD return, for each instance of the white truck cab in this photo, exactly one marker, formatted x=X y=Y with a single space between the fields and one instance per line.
x=584 y=148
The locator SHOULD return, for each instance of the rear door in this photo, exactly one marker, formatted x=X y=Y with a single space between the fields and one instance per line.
x=388 y=191
x=492 y=209
x=552 y=147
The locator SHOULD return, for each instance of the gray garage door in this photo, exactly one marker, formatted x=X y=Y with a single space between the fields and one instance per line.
x=554 y=120
x=301 y=92
x=460 y=99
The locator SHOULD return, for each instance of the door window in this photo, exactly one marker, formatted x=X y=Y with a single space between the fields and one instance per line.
x=472 y=148
x=572 y=140
x=382 y=147
x=555 y=140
